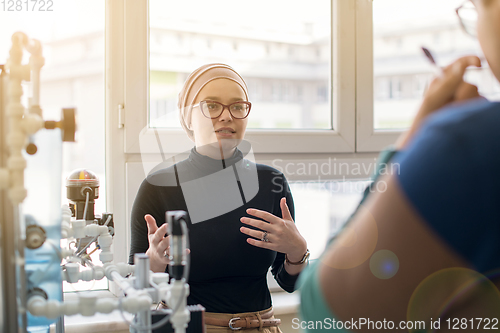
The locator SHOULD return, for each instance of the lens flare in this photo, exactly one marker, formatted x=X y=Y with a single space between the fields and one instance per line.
x=384 y=264
x=443 y=293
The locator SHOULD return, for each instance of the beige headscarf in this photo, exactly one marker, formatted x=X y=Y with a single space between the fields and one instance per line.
x=195 y=82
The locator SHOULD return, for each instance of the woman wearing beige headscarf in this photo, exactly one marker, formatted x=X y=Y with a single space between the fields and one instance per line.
x=241 y=213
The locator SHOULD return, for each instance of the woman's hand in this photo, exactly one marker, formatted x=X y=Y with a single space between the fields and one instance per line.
x=447 y=88
x=158 y=245
x=282 y=233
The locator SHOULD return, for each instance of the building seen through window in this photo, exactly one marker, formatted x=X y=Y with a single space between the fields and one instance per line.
x=283 y=53
x=401 y=73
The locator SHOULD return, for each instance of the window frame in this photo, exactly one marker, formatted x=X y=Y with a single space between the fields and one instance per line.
x=139 y=138
x=368 y=139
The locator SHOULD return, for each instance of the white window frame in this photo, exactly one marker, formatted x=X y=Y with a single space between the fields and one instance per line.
x=368 y=139
x=351 y=91
x=141 y=139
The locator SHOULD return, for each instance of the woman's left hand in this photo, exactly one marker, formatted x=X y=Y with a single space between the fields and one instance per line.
x=282 y=233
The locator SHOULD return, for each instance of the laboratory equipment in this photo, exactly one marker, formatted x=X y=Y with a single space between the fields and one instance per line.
x=33 y=263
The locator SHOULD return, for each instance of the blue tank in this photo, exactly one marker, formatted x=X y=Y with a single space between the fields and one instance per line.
x=41 y=214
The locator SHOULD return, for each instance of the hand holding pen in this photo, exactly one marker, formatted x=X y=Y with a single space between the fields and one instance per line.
x=438 y=70
x=447 y=87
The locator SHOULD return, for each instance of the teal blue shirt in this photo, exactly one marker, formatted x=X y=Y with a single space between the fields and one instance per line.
x=313 y=305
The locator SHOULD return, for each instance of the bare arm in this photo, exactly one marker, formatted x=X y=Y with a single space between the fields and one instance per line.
x=429 y=275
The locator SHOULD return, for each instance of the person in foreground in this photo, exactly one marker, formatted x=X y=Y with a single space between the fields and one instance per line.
x=424 y=254
x=241 y=214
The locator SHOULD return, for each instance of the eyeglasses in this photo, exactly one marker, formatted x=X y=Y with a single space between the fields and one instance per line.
x=467 y=14
x=213 y=109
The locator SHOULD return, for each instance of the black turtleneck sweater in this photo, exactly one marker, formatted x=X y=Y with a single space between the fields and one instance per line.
x=227 y=275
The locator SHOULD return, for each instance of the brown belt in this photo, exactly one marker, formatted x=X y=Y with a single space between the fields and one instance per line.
x=252 y=321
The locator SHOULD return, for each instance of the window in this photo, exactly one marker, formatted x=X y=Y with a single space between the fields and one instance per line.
x=416 y=26
x=333 y=202
x=294 y=29
x=280 y=121
x=72 y=37
x=390 y=48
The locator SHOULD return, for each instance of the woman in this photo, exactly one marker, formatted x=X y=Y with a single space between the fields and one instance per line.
x=421 y=253
x=241 y=213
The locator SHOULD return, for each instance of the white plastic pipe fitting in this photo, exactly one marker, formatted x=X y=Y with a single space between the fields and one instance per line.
x=87 y=305
x=182 y=316
x=4 y=178
x=94 y=229
x=78 y=227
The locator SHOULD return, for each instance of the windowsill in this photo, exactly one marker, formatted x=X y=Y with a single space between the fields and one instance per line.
x=283 y=303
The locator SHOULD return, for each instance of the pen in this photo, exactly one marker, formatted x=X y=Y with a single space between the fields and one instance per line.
x=438 y=70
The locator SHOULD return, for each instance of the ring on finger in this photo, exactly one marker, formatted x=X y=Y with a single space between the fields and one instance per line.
x=264 y=237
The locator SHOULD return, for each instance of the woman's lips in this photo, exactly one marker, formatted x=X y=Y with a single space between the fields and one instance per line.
x=225 y=131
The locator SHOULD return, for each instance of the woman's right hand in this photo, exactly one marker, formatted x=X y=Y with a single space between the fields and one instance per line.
x=448 y=88
x=158 y=245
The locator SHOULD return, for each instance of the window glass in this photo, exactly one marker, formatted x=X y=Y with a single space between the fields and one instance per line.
x=401 y=72
x=72 y=36
x=322 y=208
x=281 y=48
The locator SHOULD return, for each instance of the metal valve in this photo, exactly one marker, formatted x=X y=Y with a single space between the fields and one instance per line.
x=35 y=236
x=67 y=124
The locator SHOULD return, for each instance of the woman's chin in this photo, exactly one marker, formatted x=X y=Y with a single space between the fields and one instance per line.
x=226 y=143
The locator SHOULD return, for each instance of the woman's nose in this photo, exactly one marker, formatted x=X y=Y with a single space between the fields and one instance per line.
x=226 y=115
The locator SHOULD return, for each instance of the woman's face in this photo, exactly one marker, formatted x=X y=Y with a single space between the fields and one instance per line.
x=488 y=32
x=225 y=130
